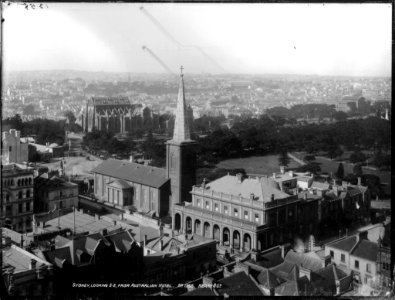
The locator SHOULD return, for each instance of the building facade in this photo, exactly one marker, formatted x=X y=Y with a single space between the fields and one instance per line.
x=244 y=213
x=115 y=115
x=13 y=149
x=17 y=196
x=54 y=193
x=129 y=185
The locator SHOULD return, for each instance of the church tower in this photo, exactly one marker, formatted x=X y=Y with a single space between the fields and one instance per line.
x=180 y=153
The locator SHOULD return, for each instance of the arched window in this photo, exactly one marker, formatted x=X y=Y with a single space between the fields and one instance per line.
x=19 y=182
x=27 y=194
x=30 y=181
x=20 y=195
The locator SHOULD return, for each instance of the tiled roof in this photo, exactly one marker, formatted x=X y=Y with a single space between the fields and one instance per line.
x=303 y=260
x=122 y=240
x=270 y=259
x=344 y=244
x=366 y=249
x=320 y=185
x=146 y=175
x=239 y=284
x=58 y=255
x=262 y=188
x=268 y=279
x=298 y=287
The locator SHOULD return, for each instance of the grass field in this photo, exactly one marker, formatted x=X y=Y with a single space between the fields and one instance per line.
x=256 y=164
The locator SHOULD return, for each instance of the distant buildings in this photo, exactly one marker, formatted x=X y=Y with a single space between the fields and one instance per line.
x=17 y=196
x=13 y=149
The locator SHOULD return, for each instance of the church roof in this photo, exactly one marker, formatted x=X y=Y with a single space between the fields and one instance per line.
x=146 y=175
x=181 y=126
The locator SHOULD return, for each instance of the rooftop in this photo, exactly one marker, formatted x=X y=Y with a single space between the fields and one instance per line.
x=262 y=188
x=146 y=175
x=20 y=259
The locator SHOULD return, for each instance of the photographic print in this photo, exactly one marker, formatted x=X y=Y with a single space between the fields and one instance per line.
x=195 y=149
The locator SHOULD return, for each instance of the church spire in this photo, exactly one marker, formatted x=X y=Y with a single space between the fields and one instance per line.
x=181 y=126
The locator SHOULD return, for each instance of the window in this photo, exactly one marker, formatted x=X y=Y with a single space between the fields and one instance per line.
x=236 y=212
x=356 y=264
x=20 y=195
x=343 y=258
x=10 y=148
x=246 y=215
x=20 y=207
x=225 y=209
x=7 y=197
x=256 y=217
x=216 y=206
x=331 y=253
x=207 y=205
x=198 y=202
x=368 y=268
x=27 y=194
x=28 y=206
x=60 y=204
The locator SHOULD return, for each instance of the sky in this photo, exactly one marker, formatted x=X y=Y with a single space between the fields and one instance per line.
x=254 y=38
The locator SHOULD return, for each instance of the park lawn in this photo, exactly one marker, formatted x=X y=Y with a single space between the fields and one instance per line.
x=256 y=164
x=327 y=166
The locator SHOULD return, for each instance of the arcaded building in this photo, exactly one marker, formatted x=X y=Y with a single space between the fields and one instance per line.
x=17 y=197
x=245 y=213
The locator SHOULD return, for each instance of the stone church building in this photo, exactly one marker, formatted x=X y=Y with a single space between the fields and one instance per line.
x=149 y=190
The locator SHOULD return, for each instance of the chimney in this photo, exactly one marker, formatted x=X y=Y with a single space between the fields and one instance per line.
x=161 y=245
x=252 y=196
x=344 y=184
x=282 y=169
x=13 y=132
x=274 y=175
x=145 y=240
x=282 y=248
x=305 y=196
x=272 y=197
x=239 y=177
x=104 y=232
x=21 y=243
x=291 y=173
x=359 y=181
x=254 y=255
x=131 y=158
x=363 y=235
x=204 y=183
x=32 y=265
x=325 y=261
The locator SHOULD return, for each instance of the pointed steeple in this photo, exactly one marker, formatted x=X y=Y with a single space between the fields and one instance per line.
x=181 y=126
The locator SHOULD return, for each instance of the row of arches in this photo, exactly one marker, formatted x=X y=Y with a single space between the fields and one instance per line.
x=19 y=182
x=224 y=235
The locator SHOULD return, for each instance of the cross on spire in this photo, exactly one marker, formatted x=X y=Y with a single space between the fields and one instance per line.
x=181 y=68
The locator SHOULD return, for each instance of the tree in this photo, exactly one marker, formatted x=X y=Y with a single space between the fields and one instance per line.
x=284 y=159
x=340 y=116
x=340 y=171
x=70 y=117
x=357 y=157
x=357 y=170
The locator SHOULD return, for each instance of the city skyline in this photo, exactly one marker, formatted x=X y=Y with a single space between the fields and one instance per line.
x=176 y=34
